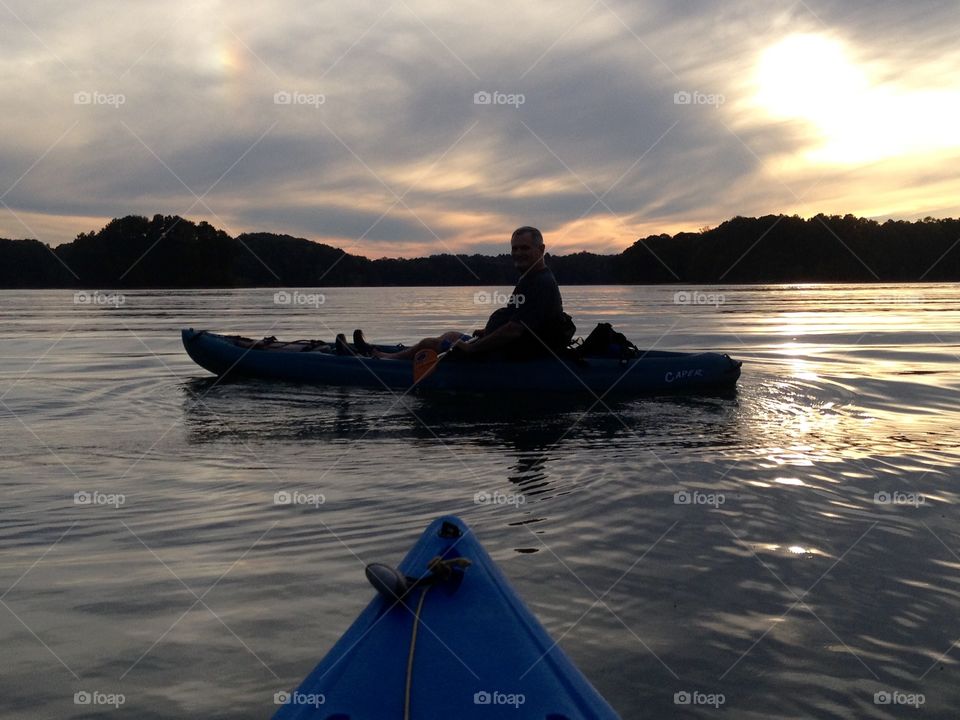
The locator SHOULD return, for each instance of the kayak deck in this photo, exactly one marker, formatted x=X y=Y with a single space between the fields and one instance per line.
x=479 y=651
x=654 y=372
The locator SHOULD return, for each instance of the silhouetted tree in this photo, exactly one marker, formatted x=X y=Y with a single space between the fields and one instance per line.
x=169 y=251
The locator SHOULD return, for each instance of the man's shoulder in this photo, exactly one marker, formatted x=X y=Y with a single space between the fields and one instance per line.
x=540 y=278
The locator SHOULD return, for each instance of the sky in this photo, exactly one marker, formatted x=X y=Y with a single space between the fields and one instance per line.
x=414 y=127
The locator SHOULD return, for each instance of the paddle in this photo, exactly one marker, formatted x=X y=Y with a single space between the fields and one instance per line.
x=424 y=363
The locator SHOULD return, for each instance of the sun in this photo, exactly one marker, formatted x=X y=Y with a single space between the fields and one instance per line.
x=814 y=78
x=807 y=76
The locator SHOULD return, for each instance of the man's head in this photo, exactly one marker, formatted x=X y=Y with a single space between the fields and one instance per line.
x=526 y=248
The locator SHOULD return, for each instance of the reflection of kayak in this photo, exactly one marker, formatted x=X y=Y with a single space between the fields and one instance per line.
x=478 y=652
x=653 y=372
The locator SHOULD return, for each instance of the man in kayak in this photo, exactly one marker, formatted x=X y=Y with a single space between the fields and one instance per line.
x=532 y=323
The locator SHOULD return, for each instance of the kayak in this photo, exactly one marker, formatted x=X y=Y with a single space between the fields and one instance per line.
x=653 y=372
x=460 y=645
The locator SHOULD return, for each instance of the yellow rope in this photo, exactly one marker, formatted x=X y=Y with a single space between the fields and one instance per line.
x=440 y=569
x=413 y=644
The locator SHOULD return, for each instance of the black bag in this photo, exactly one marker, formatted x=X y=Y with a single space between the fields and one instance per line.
x=605 y=342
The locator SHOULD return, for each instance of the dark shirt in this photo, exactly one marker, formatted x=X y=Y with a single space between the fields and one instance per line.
x=536 y=304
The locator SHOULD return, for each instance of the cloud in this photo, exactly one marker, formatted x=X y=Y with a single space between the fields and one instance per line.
x=393 y=114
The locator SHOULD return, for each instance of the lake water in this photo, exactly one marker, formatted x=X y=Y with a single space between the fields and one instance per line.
x=812 y=574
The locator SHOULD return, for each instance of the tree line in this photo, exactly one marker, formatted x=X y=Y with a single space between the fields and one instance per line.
x=169 y=251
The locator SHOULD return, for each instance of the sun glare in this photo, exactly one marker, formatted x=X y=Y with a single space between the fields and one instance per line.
x=807 y=75
x=813 y=78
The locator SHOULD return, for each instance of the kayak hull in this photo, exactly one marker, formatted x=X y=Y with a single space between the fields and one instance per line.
x=479 y=652
x=656 y=372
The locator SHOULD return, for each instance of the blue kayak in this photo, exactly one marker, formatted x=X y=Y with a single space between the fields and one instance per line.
x=462 y=645
x=654 y=372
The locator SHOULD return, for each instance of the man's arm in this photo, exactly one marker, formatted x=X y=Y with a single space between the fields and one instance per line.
x=503 y=335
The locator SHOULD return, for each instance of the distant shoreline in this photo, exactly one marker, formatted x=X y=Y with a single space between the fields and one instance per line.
x=169 y=252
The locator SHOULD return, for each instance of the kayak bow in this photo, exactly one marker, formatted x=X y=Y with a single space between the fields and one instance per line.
x=460 y=645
